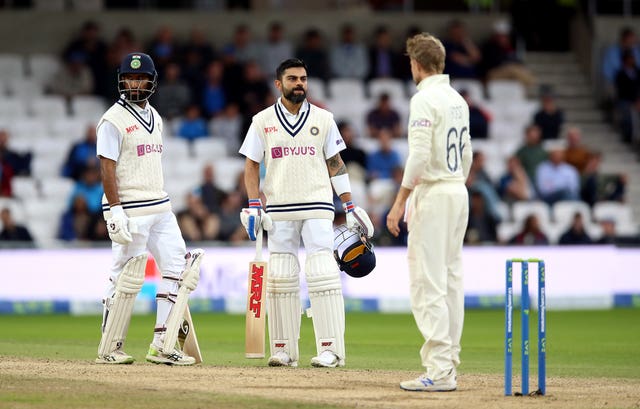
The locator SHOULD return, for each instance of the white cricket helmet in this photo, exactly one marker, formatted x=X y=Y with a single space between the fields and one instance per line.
x=353 y=251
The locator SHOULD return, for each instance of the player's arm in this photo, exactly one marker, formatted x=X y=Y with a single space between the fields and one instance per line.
x=338 y=171
x=253 y=217
x=252 y=178
x=109 y=184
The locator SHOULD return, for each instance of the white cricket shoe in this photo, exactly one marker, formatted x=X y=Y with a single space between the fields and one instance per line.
x=116 y=357
x=281 y=358
x=425 y=384
x=175 y=357
x=326 y=359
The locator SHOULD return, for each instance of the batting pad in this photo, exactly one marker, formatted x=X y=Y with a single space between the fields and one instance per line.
x=188 y=282
x=120 y=306
x=283 y=304
x=327 y=304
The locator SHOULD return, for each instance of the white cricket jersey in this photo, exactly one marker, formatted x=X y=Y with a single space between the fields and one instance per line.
x=295 y=149
x=439 y=140
x=132 y=136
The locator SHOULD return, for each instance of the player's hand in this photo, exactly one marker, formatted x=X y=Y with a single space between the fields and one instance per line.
x=118 y=226
x=357 y=217
x=393 y=219
x=254 y=217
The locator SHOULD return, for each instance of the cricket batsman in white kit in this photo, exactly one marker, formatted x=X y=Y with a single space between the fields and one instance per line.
x=435 y=173
x=139 y=218
x=299 y=144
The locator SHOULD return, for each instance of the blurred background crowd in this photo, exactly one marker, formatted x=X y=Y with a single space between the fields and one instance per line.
x=542 y=172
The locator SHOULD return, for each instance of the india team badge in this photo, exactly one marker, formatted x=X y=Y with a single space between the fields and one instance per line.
x=135 y=62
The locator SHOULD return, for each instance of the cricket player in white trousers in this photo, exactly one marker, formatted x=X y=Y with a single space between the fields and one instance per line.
x=139 y=218
x=299 y=144
x=435 y=173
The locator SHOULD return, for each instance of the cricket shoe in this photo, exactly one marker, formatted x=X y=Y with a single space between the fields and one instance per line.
x=116 y=357
x=281 y=358
x=175 y=357
x=425 y=384
x=326 y=359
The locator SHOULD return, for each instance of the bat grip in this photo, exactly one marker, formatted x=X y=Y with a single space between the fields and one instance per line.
x=259 y=243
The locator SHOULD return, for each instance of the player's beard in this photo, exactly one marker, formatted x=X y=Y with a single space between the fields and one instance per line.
x=294 y=98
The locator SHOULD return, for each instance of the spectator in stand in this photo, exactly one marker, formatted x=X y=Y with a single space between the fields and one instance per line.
x=627 y=92
x=348 y=58
x=530 y=234
x=612 y=59
x=90 y=45
x=383 y=163
x=231 y=228
x=576 y=153
x=228 y=125
x=210 y=194
x=576 y=234
x=549 y=118
x=20 y=163
x=557 y=180
x=314 y=55
x=173 y=94
x=195 y=221
x=275 y=50
x=515 y=185
x=73 y=78
x=123 y=43
x=193 y=125
x=78 y=223
x=6 y=176
x=482 y=226
x=214 y=95
x=242 y=47
x=352 y=156
x=12 y=231
x=609 y=235
x=199 y=48
x=255 y=93
x=462 y=54
x=384 y=116
x=597 y=187
x=531 y=154
x=82 y=155
x=90 y=188
x=500 y=60
x=163 y=49
x=478 y=118
x=479 y=180
x=383 y=59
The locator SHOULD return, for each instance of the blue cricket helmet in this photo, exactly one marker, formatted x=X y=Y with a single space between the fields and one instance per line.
x=353 y=251
x=138 y=63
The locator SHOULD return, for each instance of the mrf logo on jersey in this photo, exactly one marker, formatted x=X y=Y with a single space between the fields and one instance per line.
x=278 y=152
x=149 y=148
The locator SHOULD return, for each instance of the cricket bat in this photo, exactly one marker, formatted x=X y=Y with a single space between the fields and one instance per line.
x=187 y=337
x=256 y=308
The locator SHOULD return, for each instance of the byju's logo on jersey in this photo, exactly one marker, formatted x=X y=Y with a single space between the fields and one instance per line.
x=420 y=123
x=149 y=148
x=278 y=152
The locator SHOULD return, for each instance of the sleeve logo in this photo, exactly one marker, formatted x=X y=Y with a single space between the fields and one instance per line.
x=420 y=123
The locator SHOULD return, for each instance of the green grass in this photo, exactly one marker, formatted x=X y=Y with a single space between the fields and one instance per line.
x=579 y=343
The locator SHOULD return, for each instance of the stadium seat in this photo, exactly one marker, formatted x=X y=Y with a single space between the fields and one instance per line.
x=90 y=107
x=473 y=87
x=25 y=188
x=506 y=230
x=227 y=172
x=69 y=128
x=390 y=86
x=620 y=213
x=11 y=67
x=504 y=210
x=521 y=209
x=505 y=90
x=346 y=88
x=563 y=212
x=26 y=131
x=12 y=108
x=175 y=149
x=26 y=89
x=381 y=195
x=42 y=67
x=56 y=188
x=316 y=89
x=49 y=107
x=209 y=148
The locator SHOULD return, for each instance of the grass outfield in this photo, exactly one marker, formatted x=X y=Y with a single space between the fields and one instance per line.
x=579 y=343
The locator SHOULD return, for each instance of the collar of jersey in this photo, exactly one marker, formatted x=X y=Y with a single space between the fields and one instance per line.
x=136 y=111
x=433 y=79
x=284 y=115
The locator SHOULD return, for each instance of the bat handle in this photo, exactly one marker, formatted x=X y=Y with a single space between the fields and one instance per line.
x=259 y=244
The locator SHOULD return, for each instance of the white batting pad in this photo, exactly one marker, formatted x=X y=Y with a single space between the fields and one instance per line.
x=119 y=307
x=283 y=304
x=188 y=282
x=327 y=304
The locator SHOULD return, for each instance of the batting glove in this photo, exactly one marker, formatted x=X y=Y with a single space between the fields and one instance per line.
x=118 y=226
x=254 y=217
x=357 y=217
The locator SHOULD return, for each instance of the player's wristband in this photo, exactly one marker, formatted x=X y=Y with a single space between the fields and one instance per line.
x=255 y=203
x=348 y=207
x=341 y=184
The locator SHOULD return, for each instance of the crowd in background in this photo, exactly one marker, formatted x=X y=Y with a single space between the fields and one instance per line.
x=206 y=88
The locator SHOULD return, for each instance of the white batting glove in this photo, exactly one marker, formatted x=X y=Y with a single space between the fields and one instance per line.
x=254 y=217
x=118 y=226
x=357 y=217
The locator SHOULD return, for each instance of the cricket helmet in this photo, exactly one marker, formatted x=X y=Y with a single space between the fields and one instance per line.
x=138 y=63
x=353 y=251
